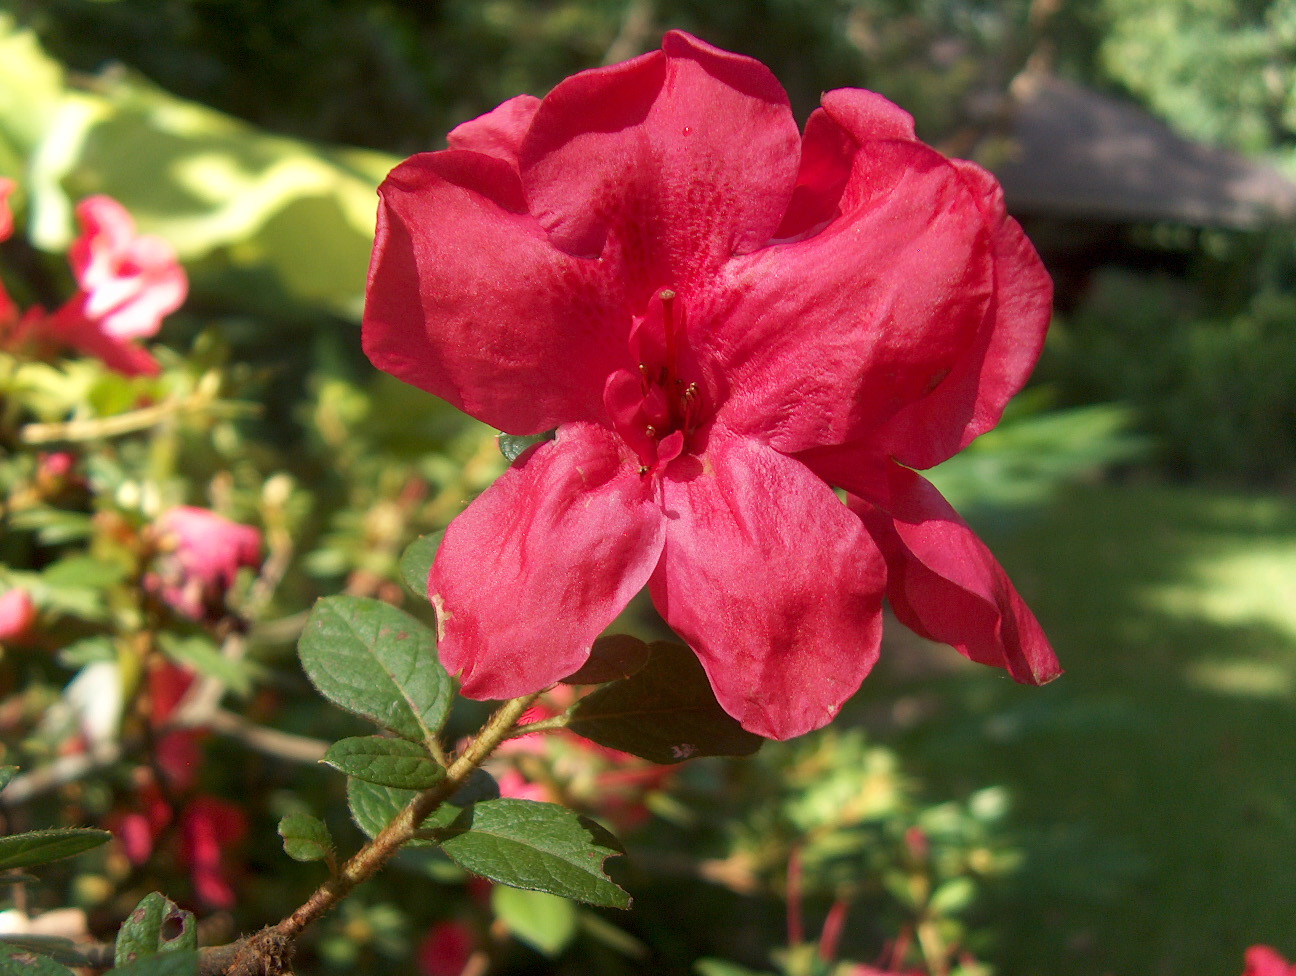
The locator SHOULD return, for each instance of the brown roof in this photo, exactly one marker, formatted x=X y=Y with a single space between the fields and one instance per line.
x=1072 y=152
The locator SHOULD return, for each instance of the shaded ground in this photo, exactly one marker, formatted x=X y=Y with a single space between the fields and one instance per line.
x=1155 y=783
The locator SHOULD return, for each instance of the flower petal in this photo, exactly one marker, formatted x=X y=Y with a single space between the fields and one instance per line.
x=944 y=584
x=819 y=340
x=772 y=582
x=531 y=572
x=499 y=132
x=469 y=300
x=675 y=160
x=971 y=399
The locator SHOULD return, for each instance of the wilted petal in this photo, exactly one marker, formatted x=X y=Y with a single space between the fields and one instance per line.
x=819 y=340
x=675 y=160
x=534 y=569
x=468 y=299
x=773 y=583
x=945 y=584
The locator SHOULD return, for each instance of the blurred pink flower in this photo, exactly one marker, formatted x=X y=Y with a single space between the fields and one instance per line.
x=1263 y=960
x=201 y=554
x=446 y=948
x=209 y=827
x=127 y=283
x=724 y=319
x=17 y=614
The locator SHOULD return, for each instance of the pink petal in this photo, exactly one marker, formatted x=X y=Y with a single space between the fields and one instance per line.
x=1263 y=960
x=128 y=283
x=469 y=300
x=772 y=582
x=534 y=569
x=70 y=327
x=944 y=583
x=499 y=132
x=7 y=187
x=971 y=399
x=819 y=340
x=666 y=164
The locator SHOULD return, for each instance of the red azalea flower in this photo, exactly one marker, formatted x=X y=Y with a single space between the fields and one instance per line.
x=207 y=551
x=723 y=319
x=1262 y=960
x=128 y=284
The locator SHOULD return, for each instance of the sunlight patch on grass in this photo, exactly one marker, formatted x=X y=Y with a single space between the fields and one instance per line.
x=1255 y=586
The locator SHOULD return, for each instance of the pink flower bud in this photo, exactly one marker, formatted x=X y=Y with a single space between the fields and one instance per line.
x=17 y=614
x=206 y=551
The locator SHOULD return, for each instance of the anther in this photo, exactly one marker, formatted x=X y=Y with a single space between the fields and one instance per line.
x=650 y=430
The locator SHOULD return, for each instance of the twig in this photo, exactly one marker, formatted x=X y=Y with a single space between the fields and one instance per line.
x=64 y=770
x=271 y=742
x=123 y=423
x=269 y=952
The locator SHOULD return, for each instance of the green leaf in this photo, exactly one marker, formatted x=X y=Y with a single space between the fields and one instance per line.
x=183 y=963
x=373 y=806
x=378 y=662
x=305 y=838
x=513 y=446
x=43 y=846
x=665 y=713
x=21 y=961
x=387 y=762
x=155 y=925
x=539 y=846
x=545 y=922
x=611 y=658
x=416 y=563
x=6 y=774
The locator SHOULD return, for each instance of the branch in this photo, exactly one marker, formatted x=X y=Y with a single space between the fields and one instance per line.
x=130 y=422
x=269 y=952
x=64 y=770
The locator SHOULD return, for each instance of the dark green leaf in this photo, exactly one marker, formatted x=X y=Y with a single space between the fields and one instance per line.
x=21 y=961
x=373 y=806
x=378 y=662
x=387 y=762
x=155 y=925
x=611 y=658
x=43 y=846
x=183 y=963
x=305 y=838
x=665 y=713
x=539 y=846
x=513 y=446
x=416 y=563
x=543 y=921
x=6 y=774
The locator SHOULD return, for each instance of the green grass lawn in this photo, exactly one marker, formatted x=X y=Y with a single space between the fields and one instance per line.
x=1154 y=784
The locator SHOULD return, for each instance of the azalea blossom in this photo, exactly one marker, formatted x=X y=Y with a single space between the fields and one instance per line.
x=1263 y=960
x=127 y=284
x=723 y=319
x=202 y=554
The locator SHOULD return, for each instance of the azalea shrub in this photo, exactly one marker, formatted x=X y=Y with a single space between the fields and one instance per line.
x=442 y=665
